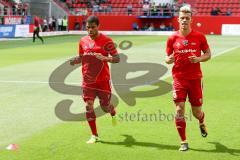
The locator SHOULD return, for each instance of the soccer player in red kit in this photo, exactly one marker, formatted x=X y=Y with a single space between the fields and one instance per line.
x=95 y=51
x=37 y=29
x=184 y=49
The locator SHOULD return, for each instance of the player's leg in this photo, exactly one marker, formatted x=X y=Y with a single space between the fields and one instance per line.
x=181 y=124
x=91 y=118
x=34 y=35
x=88 y=97
x=199 y=114
x=195 y=98
x=179 y=97
x=39 y=36
x=104 y=94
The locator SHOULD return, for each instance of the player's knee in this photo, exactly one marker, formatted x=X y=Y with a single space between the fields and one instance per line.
x=179 y=112
x=89 y=106
x=197 y=113
x=89 y=103
x=105 y=105
x=90 y=114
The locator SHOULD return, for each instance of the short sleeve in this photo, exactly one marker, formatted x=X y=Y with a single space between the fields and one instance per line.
x=80 y=51
x=169 y=47
x=204 y=44
x=110 y=47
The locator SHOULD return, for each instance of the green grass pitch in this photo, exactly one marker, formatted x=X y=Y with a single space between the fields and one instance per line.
x=27 y=106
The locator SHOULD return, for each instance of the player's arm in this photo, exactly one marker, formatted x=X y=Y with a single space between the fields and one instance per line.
x=170 y=59
x=113 y=59
x=112 y=51
x=169 y=49
x=206 y=50
x=75 y=60
x=206 y=56
x=203 y=58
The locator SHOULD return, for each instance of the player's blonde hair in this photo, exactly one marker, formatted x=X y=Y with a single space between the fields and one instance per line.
x=186 y=9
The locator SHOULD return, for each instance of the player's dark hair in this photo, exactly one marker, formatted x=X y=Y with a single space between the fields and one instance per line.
x=93 y=19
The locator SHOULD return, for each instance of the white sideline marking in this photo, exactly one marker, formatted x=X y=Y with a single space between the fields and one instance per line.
x=77 y=83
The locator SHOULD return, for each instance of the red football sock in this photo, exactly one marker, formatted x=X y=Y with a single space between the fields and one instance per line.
x=91 y=118
x=201 y=119
x=181 y=127
x=112 y=110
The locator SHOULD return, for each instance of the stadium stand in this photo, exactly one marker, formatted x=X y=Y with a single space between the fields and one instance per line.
x=204 y=8
x=13 y=7
x=117 y=7
x=140 y=7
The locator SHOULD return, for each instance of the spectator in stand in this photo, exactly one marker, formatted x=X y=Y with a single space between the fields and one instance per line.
x=54 y=22
x=185 y=4
x=146 y=1
x=160 y=10
x=50 y=20
x=14 y=8
x=219 y=12
x=89 y=4
x=214 y=12
x=5 y=10
x=154 y=9
x=151 y=27
x=65 y=23
x=22 y=20
x=19 y=9
x=100 y=9
x=77 y=26
x=162 y=27
x=84 y=11
x=45 y=24
x=109 y=8
x=170 y=27
x=95 y=8
x=135 y=26
x=146 y=8
x=129 y=9
x=229 y=12
x=25 y=9
x=145 y=26
x=60 y=24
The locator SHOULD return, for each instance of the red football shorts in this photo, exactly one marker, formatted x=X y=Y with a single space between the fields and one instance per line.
x=191 y=88
x=100 y=89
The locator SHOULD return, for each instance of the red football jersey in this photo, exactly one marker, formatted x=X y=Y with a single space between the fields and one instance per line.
x=94 y=69
x=184 y=47
x=36 y=21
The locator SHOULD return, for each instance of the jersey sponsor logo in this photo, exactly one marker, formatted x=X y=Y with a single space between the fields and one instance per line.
x=89 y=54
x=185 y=42
x=186 y=51
x=193 y=43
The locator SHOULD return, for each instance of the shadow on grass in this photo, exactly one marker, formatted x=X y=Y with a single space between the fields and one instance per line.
x=129 y=141
x=219 y=148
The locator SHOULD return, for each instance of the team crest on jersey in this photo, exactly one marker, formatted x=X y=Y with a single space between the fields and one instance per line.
x=185 y=42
